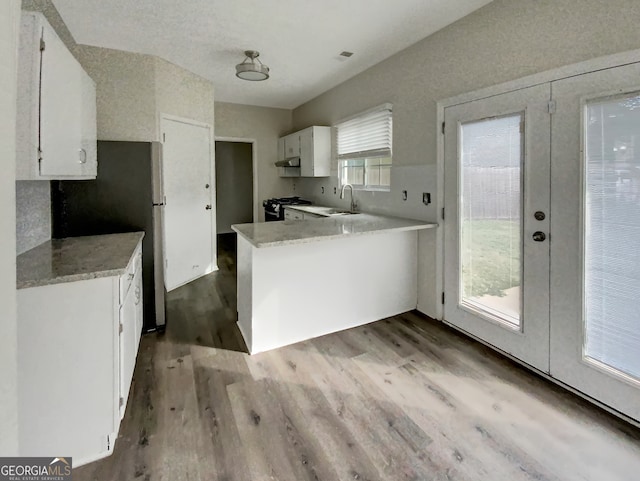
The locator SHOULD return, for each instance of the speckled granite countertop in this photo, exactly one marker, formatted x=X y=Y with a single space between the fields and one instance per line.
x=76 y=259
x=271 y=234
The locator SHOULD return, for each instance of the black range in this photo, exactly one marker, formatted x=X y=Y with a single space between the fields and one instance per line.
x=274 y=208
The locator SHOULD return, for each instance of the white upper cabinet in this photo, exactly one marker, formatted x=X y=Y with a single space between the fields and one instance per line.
x=281 y=155
x=56 y=124
x=292 y=146
x=313 y=146
x=315 y=152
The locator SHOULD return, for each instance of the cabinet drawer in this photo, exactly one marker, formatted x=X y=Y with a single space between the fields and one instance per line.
x=290 y=214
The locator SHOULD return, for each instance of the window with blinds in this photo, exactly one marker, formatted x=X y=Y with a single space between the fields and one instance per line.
x=364 y=146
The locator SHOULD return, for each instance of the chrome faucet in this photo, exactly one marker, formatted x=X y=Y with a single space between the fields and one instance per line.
x=354 y=204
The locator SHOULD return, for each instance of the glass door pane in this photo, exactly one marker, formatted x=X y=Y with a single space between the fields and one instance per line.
x=491 y=217
x=612 y=233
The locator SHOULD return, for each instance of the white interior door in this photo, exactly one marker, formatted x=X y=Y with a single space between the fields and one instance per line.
x=595 y=249
x=496 y=188
x=189 y=219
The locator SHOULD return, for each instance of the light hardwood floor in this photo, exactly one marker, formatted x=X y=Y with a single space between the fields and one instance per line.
x=401 y=399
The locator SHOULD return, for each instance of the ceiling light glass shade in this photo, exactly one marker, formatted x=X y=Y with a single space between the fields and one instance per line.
x=252 y=68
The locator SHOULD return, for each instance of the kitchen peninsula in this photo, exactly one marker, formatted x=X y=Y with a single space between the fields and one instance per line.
x=303 y=279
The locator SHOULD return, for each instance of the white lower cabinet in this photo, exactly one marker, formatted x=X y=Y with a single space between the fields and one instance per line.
x=77 y=346
x=295 y=214
x=291 y=214
x=130 y=319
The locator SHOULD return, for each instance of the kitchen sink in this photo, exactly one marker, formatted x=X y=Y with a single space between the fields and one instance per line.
x=339 y=212
x=326 y=211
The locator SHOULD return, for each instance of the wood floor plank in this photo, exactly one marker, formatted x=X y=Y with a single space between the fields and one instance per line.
x=180 y=445
x=459 y=433
x=309 y=406
x=550 y=435
x=216 y=416
x=406 y=398
x=280 y=448
x=379 y=426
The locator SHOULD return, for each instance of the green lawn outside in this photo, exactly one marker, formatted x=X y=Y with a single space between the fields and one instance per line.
x=490 y=252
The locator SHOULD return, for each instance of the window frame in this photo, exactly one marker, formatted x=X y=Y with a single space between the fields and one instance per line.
x=374 y=154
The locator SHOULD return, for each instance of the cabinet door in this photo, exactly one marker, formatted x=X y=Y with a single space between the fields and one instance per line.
x=60 y=108
x=68 y=400
x=281 y=155
x=291 y=214
x=88 y=141
x=27 y=101
x=127 y=346
x=306 y=153
x=292 y=145
x=315 y=152
x=137 y=293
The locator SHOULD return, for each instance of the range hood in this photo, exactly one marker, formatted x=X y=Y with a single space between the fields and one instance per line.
x=290 y=162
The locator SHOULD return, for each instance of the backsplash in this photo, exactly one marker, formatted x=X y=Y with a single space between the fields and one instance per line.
x=33 y=214
x=414 y=179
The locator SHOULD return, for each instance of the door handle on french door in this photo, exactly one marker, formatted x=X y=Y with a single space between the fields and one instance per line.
x=539 y=236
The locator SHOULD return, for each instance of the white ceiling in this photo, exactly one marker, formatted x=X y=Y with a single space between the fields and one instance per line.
x=300 y=40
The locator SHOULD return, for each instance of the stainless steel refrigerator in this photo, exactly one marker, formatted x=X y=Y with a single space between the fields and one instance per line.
x=126 y=196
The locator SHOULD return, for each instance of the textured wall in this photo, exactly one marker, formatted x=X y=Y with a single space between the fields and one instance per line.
x=132 y=89
x=265 y=125
x=125 y=92
x=131 y=92
x=505 y=40
x=48 y=9
x=33 y=214
x=182 y=93
x=9 y=21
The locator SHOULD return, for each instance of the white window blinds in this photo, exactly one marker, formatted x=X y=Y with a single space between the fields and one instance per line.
x=368 y=135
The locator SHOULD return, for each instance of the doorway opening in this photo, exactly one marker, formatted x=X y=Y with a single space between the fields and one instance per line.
x=234 y=186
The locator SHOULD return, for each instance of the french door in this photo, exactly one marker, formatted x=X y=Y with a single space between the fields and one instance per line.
x=595 y=226
x=542 y=229
x=497 y=252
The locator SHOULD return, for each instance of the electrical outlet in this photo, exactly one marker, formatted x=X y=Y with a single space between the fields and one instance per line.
x=426 y=198
x=404 y=195
x=335 y=190
x=323 y=189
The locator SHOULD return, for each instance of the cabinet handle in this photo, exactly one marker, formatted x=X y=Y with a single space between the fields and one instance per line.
x=83 y=156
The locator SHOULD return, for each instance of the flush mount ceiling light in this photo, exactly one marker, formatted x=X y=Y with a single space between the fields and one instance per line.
x=252 y=68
